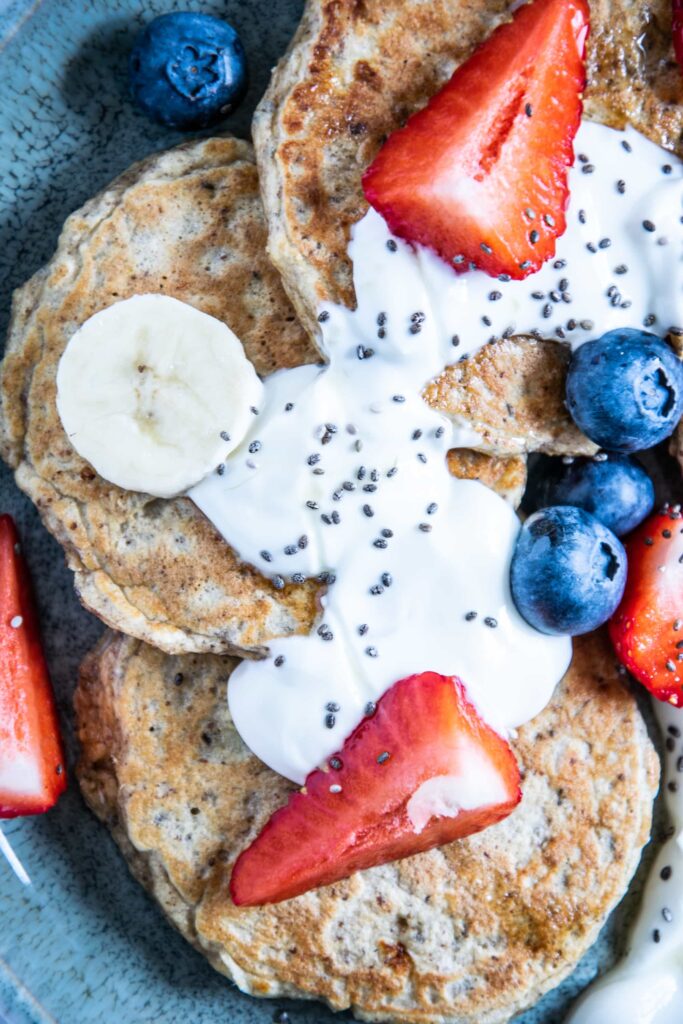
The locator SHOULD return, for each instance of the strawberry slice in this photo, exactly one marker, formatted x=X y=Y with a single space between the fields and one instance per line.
x=32 y=774
x=421 y=771
x=480 y=175
x=677 y=28
x=647 y=627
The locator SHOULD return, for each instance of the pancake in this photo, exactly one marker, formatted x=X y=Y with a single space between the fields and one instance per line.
x=189 y=223
x=354 y=73
x=471 y=933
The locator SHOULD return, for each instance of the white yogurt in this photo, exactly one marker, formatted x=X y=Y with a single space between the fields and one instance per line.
x=647 y=985
x=344 y=474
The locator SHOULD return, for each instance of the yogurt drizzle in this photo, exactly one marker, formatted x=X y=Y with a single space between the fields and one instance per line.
x=343 y=474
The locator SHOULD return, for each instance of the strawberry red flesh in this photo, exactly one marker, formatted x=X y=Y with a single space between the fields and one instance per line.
x=424 y=729
x=32 y=775
x=480 y=174
x=647 y=627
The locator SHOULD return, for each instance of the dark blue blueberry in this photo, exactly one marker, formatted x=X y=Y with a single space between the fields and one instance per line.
x=568 y=571
x=625 y=390
x=613 y=488
x=188 y=70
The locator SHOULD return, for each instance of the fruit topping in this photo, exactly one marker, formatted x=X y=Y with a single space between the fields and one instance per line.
x=568 y=571
x=647 y=628
x=32 y=773
x=625 y=390
x=188 y=70
x=422 y=770
x=613 y=488
x=480 y=174
x=155 y=394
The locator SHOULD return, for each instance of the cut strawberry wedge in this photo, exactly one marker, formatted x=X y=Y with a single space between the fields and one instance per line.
x=480 y=175
x=423 y=770
x=647 y=627
x=32 y=775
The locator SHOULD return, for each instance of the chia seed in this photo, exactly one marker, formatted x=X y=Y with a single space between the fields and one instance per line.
x=225 y=436
x=371 y=653
x=330 y=721
x=649 y=226
x=289 y=406
x=368 y=511
x=666 y=873
x=528 y=110
x=266 y=556
x=391 y=245
x=363 y=628
x=323 y=316
x=313 y=505
x=387 y=579
x=491 y=622
x=383 y=757
x=279 y=661
x=335 y=763
x=425 y=527
x=278 y=582
x=432 y=508
x=470 y=616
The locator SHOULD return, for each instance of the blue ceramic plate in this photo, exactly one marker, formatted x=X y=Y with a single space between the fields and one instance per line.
x=84 y=944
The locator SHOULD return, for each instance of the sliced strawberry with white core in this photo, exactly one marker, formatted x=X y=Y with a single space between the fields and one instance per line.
x=421 y=771
x=32 y=774
x=480 y=175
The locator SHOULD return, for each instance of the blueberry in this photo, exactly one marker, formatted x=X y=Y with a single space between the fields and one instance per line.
x=625 y=390
x=613 y=488
x=568 y=571
x=188 y=70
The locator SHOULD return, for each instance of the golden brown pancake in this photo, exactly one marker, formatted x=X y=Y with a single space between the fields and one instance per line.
x=473 y=932
x=189 y=223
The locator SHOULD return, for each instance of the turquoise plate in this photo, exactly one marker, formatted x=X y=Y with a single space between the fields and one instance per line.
x=84 y=944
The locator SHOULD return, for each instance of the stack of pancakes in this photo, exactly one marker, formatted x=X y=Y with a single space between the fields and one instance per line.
x=471 y=932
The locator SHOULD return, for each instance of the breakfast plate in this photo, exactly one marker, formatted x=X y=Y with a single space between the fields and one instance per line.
x=83 y=943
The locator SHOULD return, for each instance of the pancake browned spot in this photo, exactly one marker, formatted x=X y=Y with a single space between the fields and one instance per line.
x=471 y=932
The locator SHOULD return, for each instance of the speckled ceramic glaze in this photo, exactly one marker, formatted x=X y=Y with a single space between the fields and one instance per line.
x=84 y=945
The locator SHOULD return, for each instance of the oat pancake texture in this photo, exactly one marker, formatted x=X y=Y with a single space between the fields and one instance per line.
x=188 y=222
x=467 y=934
x=353 y=74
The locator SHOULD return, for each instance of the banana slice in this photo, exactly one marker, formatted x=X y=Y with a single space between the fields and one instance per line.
x=155 y=394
